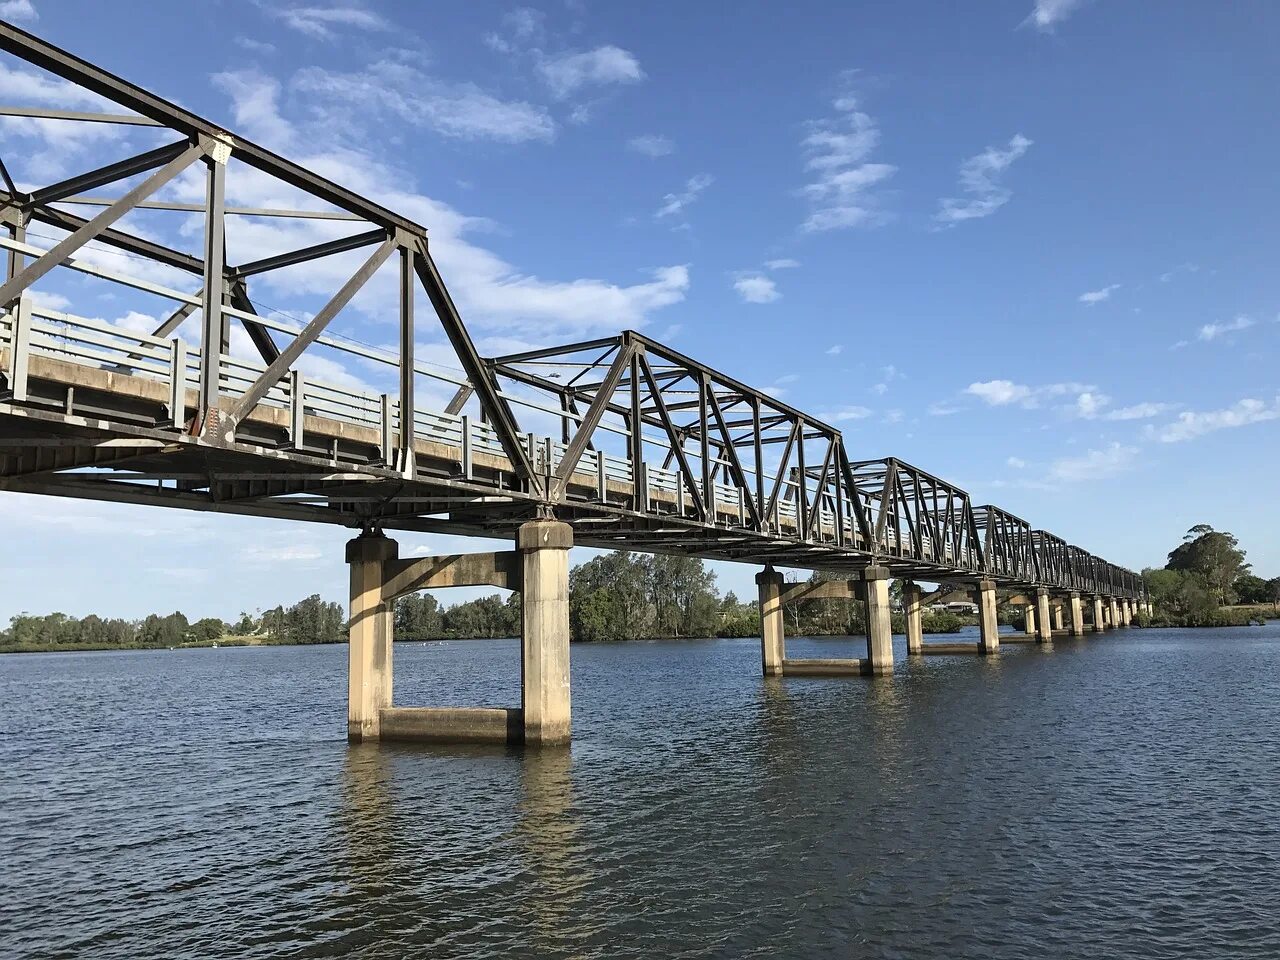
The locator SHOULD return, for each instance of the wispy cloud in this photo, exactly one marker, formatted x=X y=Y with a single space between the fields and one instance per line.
x=783 y=264
x=1212 y=331
x=255 y=46
x=652 y=145
x=1003 y=393
x=674 y=203
x=402 y=92
x=329 y=23
x=835 y=349
x=1180 y=268
x=980 y=178
x=1046 y=14
x=942 y=409
x=567 y=73
x=1017 y=463
x=18 y=10
x=754 y=288
x=1092 y=297
x=841 y=193
x=845 y=413
x=1094 y=465
x=1192 y=424
x=1138 y=411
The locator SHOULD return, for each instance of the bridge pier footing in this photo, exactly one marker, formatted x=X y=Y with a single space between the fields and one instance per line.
x=1029 y=620
x=875 y=586
x=773 y=643
x=538 y=568
x=1077 y=616
x=1099 y=617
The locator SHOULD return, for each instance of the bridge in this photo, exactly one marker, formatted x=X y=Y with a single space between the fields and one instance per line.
x=620 y=442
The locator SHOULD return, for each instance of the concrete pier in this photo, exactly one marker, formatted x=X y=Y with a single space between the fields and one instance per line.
x=1029 y=620
x=1044 y=632
x=1057 y=617
x=1077 y=616
x=544 y=662
x=1114 y=610
x=988 y=618
x=369 y=672
x=1099 y=618
x=1126 y=613
x=875 y=582
x=912 y=614
x=538 y=568
x=773 y=650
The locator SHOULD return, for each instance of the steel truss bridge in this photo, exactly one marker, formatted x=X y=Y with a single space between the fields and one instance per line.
x=634 y=444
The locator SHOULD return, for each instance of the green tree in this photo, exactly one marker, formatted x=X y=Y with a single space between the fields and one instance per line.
x=1215 y=556
x=210 y=628
x=1251 y=589
x=418 y=617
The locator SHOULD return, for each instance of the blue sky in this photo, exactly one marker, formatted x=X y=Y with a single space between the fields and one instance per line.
x=1022 y=244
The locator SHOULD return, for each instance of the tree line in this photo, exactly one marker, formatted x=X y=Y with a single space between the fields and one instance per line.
x=1206 y=581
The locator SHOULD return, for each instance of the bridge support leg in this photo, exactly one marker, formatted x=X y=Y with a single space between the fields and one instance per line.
x=1077 y=616
x=875 y=582
x=1126 y=613
x=1114 y=610
x=1099 y=618
x=369 y=665
x=1044 y=625
x=1029 y=620
x=911 y=609
x=773 y=643
x=544 y=645
x=1057 y=617
x=988 y=619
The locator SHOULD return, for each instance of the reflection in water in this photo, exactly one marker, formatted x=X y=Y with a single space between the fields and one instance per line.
x=555 y=872
x=366 y=819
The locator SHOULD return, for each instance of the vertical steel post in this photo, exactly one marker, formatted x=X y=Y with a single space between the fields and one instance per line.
x=207 y=414
x=406 y=461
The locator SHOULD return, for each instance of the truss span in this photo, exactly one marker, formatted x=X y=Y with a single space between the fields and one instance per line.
x=229 y=406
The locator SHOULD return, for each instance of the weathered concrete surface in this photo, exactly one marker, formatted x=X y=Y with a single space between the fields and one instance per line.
x=1099 y=618
x=911 y=599
x=452 y=724
x=544 y=668
x=1044 y=626
x=825 y=668
x=875 y=582
x=369 y=672
x=1077 y=616
x=955 y=649
x=988 y=619
x=773 y=644
x=1029 y=619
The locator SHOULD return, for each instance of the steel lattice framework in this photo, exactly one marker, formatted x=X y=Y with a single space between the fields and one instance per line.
x=638 y=446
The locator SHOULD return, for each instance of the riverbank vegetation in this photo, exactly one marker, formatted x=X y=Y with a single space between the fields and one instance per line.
x=626 y=596
x=1207 y=583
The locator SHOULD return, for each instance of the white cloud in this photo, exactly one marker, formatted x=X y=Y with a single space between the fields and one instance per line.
x=999 y=393
x=261 y=555
x=942 y=409
x=1046 y=13
x=756 y=289
x=1211 y=331
x=329 y=23
x=845 y=413
x=404 y=93
x=1139 y=411
x=1192 y=424
x=1089 y=404
x=1091 y=297
x=567 y=73
x=1016 y=463
x=492 y=294
x=1002 y=393
x=835 y=349
x=255 y=46
x=783 y=264
x=841 y=194
x=652 y=145
x=18 y=10
x=980 y=178
x=674 y=203
x=1180 y=268
x=1094 y=465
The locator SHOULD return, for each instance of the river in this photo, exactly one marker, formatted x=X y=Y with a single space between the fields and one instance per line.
x=1116 y=796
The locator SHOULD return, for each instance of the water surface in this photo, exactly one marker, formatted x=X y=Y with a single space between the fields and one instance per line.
x=1116 y=796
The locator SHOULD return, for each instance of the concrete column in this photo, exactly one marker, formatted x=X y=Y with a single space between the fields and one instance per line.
x=875 y=584
x=1099 y=618
x=773 y=639
x=369 y=659
x=544 y=645
x=1126 y=613
x=1044 y=624
x=1029 y=615
x=911 y=607
x=988 y=619
x=1115 y=614
x=1077 y=616
x=1057 y=617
